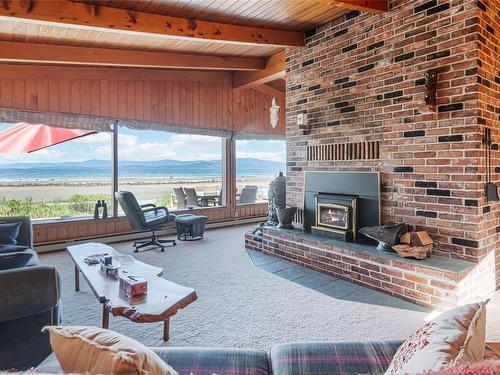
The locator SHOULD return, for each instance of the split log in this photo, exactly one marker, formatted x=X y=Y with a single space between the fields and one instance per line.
x=418 y=252
x=416 y=239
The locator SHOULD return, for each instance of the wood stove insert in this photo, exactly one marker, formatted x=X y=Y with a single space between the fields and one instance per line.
x=337 y=204
x=336 y=216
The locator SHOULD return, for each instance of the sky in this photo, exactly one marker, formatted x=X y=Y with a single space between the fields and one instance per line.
x=139 y=145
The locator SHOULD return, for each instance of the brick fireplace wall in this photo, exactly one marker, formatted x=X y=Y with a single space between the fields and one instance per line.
x=360 y=82
x=489 y=115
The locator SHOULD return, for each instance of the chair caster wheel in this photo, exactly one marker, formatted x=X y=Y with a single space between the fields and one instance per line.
x=174 y=244
x=162 y=250
x=136 y=251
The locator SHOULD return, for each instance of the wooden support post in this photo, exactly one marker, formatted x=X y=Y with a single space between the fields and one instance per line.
x=77 y=279
x=229 y=173
x=166 y=329
x=105 y=316
x=114 y=168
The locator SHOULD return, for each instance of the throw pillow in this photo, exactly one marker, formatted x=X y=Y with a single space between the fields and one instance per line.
x=9 y=233
x=93 y=350
x=454 y=337
x=14 y=260
x=479 y=368
x=12 y=248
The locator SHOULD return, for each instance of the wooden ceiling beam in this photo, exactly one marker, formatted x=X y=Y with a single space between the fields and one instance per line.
x=29 y=71
x=271 y=91
x=100 y=18
x=275 y=69
x=369 y=6
x=65 y=55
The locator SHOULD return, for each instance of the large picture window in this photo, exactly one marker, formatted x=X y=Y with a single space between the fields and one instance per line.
x=257 y=163
x=178 y=171
x=62 y=181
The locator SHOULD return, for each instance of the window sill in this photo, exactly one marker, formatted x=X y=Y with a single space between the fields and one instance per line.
x=120 y=216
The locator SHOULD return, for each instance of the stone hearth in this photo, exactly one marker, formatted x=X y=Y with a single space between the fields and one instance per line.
x=436 y=282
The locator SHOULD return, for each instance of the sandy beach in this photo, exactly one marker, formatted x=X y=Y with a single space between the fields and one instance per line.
x=144 y=189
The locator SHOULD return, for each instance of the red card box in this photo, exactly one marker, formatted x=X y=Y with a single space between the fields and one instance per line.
x=133 y=285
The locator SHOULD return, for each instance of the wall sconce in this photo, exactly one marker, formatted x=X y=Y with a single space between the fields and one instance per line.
x=431 y=80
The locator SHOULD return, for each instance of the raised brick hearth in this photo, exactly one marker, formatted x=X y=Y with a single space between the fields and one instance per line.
x=359 y=80
x=436 y=282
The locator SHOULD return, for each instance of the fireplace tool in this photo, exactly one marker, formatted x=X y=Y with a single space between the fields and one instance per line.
x=490 y=189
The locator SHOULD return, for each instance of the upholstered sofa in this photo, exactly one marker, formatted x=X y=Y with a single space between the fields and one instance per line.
x=30 y=297
x=293 y=358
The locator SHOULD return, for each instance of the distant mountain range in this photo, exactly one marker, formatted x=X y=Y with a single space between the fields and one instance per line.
x=159 y=168
x=243 y=163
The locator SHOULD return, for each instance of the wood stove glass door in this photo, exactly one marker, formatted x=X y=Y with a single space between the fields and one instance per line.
x=332 y=216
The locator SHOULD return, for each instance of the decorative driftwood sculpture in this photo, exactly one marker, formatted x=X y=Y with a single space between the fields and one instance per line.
x=277 y=198
x=387 y=235
x=415 y=245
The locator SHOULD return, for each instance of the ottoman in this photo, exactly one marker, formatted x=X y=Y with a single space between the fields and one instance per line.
x=190 y=227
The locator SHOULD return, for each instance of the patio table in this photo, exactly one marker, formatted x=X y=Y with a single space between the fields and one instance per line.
x=206 y=198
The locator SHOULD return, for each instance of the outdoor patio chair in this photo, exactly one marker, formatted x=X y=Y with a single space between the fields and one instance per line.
x=145 y=217
x=192 y=199
x=180 y=197
x=248 y=194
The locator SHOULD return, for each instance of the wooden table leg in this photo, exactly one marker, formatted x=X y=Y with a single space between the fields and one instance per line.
x=166 y=329
x=77 y=279
x=105 y=316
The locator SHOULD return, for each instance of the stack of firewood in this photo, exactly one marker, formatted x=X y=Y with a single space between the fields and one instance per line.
x=414 y=245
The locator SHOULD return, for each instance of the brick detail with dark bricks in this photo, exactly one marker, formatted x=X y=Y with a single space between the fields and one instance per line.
x=432 y=165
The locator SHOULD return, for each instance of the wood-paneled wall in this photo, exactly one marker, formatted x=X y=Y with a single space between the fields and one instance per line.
x=251 y=112
x=187 y=98
x=193 y=99
x=60 y=232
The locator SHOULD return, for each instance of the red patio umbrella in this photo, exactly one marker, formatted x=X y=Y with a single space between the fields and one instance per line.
x=24 y=137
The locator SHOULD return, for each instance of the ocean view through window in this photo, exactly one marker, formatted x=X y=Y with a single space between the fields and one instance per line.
x=179 y=171
x=257 y=163
x=61 y=181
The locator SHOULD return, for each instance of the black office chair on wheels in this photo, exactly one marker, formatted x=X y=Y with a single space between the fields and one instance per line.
x=145 y=217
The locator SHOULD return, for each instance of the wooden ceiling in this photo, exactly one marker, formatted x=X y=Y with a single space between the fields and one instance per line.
x=230 y=34
x=292 y=15
x=297 y=15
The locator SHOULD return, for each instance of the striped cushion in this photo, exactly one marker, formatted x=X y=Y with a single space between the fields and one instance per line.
x=220 y=361
x=333 y=358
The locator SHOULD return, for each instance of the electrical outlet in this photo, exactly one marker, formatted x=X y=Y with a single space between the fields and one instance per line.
x=236 y=213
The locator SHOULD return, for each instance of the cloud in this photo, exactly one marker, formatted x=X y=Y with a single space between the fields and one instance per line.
x=194 y=138
x=263 y=155
x=45 y=155
x=149 y=145
x=98 y=138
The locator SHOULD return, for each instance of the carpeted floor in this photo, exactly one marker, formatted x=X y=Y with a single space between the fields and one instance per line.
x=242 y=305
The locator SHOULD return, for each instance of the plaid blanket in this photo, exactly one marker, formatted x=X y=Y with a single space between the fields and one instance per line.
x=333 y=358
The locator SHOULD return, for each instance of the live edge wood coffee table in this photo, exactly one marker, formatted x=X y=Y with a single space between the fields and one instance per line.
x=163 y=299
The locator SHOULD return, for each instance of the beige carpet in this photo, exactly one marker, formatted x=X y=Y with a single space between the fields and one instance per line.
x=241 y=305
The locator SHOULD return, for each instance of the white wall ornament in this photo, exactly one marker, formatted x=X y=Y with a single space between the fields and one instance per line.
x=274 y=112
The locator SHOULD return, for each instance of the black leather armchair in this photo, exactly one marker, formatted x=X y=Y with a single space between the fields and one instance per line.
x=145 y=217
x=30 y=300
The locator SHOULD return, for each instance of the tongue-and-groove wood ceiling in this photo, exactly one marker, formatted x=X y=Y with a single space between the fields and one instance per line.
x=295 y=15
x=234 y=35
